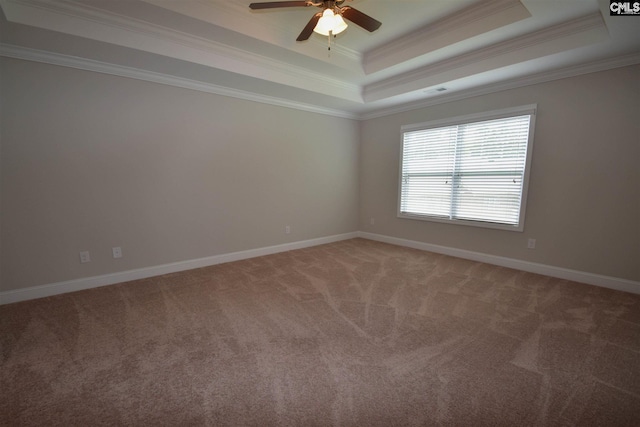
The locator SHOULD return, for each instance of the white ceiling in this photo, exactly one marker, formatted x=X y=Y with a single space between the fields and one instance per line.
x=465 y=47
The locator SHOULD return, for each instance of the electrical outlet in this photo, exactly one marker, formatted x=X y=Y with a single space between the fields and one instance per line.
x=287 y=229
x=531 y=243
x=117 y=252
x=85 y=257
x=372 y=221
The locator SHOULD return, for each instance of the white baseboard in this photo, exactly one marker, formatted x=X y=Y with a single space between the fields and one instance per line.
x=531 y=267
x=51 y=289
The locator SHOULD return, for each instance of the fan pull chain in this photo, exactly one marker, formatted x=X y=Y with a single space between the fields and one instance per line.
x=329 y=43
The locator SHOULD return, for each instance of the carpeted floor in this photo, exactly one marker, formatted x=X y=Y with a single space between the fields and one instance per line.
x=354 y=333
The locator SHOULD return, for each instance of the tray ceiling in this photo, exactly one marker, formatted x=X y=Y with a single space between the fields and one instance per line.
x=425 y=52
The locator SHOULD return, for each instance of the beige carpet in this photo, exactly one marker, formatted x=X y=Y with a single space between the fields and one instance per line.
x=355 y=333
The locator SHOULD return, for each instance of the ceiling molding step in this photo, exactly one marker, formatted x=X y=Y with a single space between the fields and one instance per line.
x=232 y=16
x=22 y=53
x=562 y=73
x=18 y=52
x=558 y=38
x=87 y=22
x=479 y=18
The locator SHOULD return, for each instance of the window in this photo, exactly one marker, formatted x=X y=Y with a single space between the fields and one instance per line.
x=469 y=170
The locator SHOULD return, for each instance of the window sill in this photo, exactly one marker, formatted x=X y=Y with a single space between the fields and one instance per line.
x=482 y=224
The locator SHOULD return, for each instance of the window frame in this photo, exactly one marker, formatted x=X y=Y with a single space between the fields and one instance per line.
x=530 y=109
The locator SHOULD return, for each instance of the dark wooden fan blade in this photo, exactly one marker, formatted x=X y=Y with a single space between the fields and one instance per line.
x=359 y=18
x=274 y=4
x=308 y=30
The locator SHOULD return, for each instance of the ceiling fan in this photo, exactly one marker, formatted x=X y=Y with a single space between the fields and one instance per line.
x=329 y=21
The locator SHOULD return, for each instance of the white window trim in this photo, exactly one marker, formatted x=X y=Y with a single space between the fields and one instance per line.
x=489 y=115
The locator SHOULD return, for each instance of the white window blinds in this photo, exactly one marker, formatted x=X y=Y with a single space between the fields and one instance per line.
x=471 y=171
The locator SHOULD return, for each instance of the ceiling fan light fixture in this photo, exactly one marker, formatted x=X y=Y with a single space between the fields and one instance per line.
x=330 y=23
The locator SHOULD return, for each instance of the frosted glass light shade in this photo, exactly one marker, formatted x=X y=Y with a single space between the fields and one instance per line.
x=339 y=24
x=330 y=23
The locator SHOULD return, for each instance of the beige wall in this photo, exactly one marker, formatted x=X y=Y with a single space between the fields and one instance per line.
x=584 y=192
x=91 y=161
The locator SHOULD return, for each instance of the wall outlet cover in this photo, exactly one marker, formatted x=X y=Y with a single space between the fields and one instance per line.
x=85 y=257
x=117 y=252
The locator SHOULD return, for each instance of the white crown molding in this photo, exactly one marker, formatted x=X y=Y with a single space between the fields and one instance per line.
x=18 y=52
x=134 y=73
x=88 y=22
x=474 y=20
x=233 y=15
x=237 y=11
x=563 y=73
x=122 y=71
x=531 y=267
x=104 y=24
x=567 y=35
x=17 y=295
